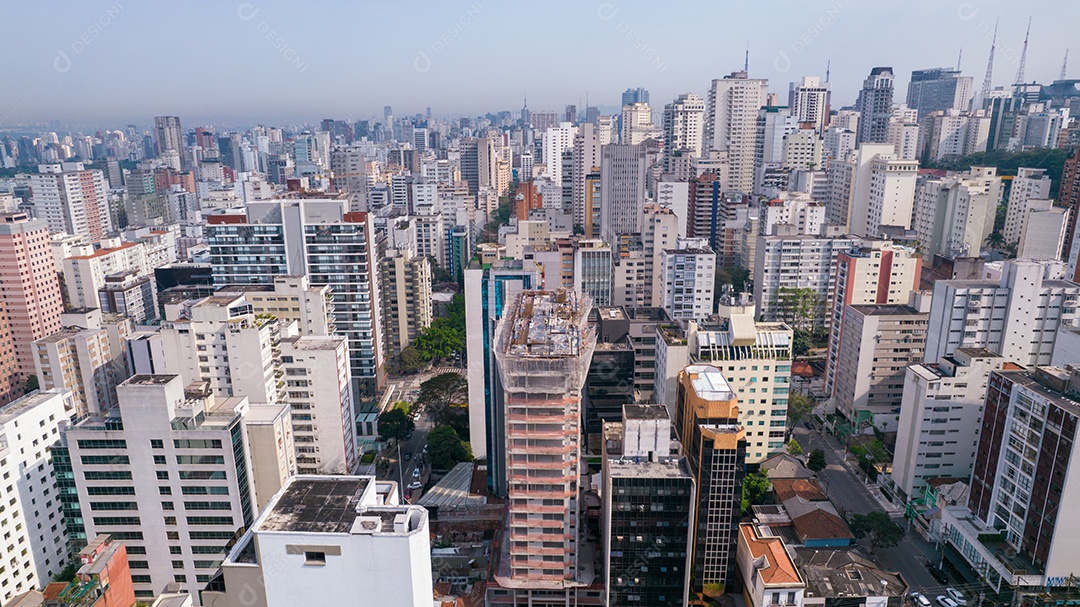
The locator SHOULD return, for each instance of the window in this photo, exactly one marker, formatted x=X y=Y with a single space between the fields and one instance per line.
x=111 y=475
x=201 y=460
x=207 y=506
x=163 y=475
x=105 y=460
x=211 y=535
x=314 y=558
x=175 y=550
x=159 y=460
x=110 y=490
x=197 y=443
x=202 y=475
x=210 y=520
x=164 y=490
x=141 y=579
x=102 y=443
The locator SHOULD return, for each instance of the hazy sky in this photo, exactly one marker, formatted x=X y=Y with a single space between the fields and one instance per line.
x=108 y=63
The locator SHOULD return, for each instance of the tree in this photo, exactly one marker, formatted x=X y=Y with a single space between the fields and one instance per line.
x=31 y=384
x=755 y=488
x=395 y=424
x=793 y=447
x=439 y=393
x=798 y=406
x=440 y=340
x=446 y=449
x=878 y=529
x=994 y=241
x=802 y=308
x=411 y=360
x=816 y=461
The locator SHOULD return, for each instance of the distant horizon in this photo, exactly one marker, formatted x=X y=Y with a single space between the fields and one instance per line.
x=99 y=64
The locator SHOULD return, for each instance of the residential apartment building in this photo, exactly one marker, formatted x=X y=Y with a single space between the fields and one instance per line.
x=809 y=102
x=291 y=298
x=320 y=238
x=954 y=214
x=731 y=124
x=787 y=260
x=769 y=575
x=84 y=363
x=71 y=200
x=683 y=125
x=622 y=190
x=318 y=392
x=875 y=105
x=406 y=292
x=940 y=418
x=86 y=269
x=688 y=274
x=1017 y=316
x=32 y=298
x=592 y=270
x=876 y=346
x=329 y=540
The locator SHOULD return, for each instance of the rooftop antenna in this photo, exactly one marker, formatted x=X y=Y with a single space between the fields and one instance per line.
x=828 y=64
x=1064 y=64
x=989 y=65
x=1023 y=56
x=958 y=57
x=746 y=60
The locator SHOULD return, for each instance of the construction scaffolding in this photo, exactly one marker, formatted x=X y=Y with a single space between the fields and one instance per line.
x=543 y=349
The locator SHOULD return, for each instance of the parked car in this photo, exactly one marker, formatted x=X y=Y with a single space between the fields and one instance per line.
x=416 y=476
x=956 y=595
x=945 y=601
x=413 y=486
x=920 y=599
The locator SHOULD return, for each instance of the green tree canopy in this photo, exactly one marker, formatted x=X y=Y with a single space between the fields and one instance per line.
x=31 y=384
x=439 y=393
x=395 y=424
x=755 y=489
x=793 y=447
x=802 y=308
x=816 y=461
x=798 y=406
x=440 y=340
x=411 y=360
x=877 y=528
x=446 y=449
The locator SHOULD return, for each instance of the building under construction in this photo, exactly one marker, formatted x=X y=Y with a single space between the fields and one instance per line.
x=543 y=347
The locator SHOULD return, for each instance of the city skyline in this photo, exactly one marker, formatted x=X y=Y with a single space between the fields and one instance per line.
x=247 y=63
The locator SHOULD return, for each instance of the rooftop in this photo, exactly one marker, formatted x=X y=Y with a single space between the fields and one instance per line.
x=547 y=324
x=709 y=383
x=324 y=505
x=150 y=380
x=315 y=342
x=771 y=560
x=639 y=467
x=453 y=489
x=845 y=573
x=645 y=412
x=885 y=310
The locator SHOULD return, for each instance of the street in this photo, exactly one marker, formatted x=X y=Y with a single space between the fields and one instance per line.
x=401 y=471
x=848 y=492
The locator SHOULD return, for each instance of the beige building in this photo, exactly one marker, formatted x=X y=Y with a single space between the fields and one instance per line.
x=85 y=271
x=83 y=362
x=269 y=432
x=317 y=388
x=291 y=298
x=406 y=292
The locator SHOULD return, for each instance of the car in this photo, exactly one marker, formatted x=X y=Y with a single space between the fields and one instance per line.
x=945 y=601
x=408 y=456
x=416 y=475
x=920 y=599
x=413 y=486
x=956 y=596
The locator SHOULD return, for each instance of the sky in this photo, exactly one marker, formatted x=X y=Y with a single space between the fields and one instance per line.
x=106 y=63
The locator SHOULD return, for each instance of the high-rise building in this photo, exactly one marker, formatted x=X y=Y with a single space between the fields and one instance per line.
x=586 y=162
x=1043 y=234
x=954 y=214
x=86 y=269
x=169 y=135
x=871 y=189
x=1068 y=196
x=592 y=270
x=707 y=420
x=34 y=552
x=622 y=190
x=183 y=454
x=406 y=291
x=556 y=140
x=683 y=126
x=875 y=272
x=809 y=102
x=488 y=289
x=32 y=298
x=72 y=200
x=758 y=371
x=938 y=88
x=1029 y=190
x=82 y=362
x=543 y=349
x=291 y=298
x=316 y=374
x=688 y=273
x=636 y=124
x=952 y=134
x=328 y=540
x=635 y=95
x=874 y=105
x=730 y=124
x=936 y=439
x=326 y=241
x=877 y=344
x=1021 y=492
x=478 y=163
x=648 y=501
x=787 y=260
x=1017 y=316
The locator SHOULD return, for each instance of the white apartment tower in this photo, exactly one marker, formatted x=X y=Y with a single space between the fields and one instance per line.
x=72 y=200
x=730 y=123
x=683 y=125
x=809 y=102
x=955 y=214
x=689 y=272
x=1029 y=191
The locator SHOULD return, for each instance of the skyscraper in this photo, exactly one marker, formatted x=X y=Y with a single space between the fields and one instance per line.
x=809 y=102
x=939 y=88
x=72 y=200
x=731 y=124
x=875 y=106
x=543 y=348
x=632 y=96
x=32 y=298
x=168 y=134
x=707 y=420
x=622 y=190
x=684 y=123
